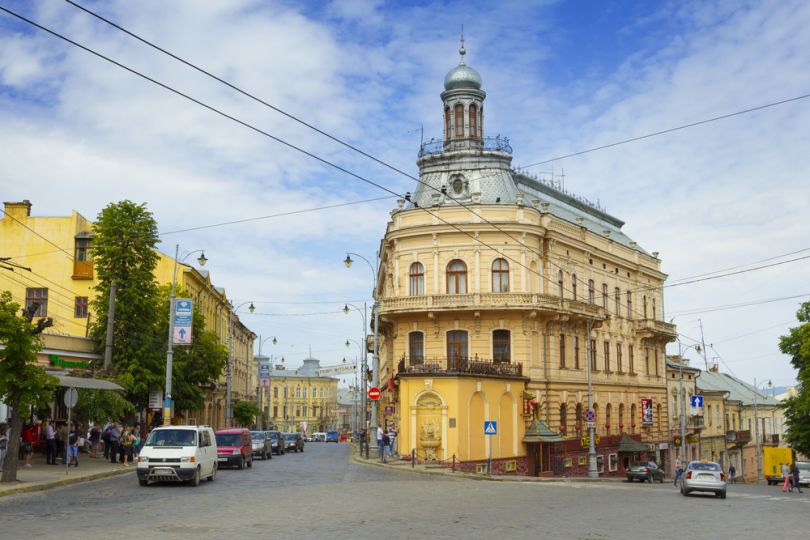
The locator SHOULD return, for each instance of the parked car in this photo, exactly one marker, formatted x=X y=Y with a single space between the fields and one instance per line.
x=234 y=448
x=645 y=470
x=804 y=472
x=178 y=454
x=276 y=442
x=261 y=444
x=319 y=436
x=294 y=442
x=704 y=476
x=332 y=436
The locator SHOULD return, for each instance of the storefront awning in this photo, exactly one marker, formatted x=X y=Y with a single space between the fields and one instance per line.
x=80 y=382
x=538 y=432
x=630 y=445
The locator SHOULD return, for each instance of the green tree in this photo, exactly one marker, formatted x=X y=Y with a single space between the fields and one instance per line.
x=23 y=384
x=244 y=413
x=124 y=252
x=99 y=406
x=797 y=408
x=195 y=367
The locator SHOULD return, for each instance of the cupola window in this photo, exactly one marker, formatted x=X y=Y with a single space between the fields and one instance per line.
x=458 y=115
x=473 y=121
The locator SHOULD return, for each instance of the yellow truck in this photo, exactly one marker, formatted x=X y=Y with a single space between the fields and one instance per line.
x=772 y=459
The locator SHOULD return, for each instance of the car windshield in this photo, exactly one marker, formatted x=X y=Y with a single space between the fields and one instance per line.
x=803 y=465
x=272 y=434
x=257 y=435
x=704 y=466
x=229 y=439
x=290 y=436
x=172 y=437
x=332 y=434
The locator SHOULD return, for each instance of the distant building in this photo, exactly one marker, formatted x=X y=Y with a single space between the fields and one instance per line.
x=301 y=400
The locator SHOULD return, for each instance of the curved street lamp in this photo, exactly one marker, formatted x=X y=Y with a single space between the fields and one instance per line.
x=167 y=399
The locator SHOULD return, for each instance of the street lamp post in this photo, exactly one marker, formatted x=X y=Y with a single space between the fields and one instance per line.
x=229 y=370
x=756 y=429
x=375 y=359
x=363 y=352
x=167 y=403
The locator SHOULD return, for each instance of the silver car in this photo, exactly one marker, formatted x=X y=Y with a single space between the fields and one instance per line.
x=704 y=476
x=804 y=472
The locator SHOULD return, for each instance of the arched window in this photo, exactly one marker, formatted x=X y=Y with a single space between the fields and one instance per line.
x=578 y=417
x=458 y=114
x=416 y=347
x=501 y=346
x=457 y=349
x=621 y=417
x=608 y=410
x=574 y=286
x=417 y=279
x=447 y=134
x=456 y=277
x=563 y=418
x=633 y=418
x=560 y=283
x=473 y=121
x=500 y=275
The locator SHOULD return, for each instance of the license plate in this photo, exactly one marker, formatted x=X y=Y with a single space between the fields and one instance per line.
x=706 y=477
x=222 y=459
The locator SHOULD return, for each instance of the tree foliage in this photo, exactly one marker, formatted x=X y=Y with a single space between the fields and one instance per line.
x=244 y=413
x=23 y=384
x=797 y=408
x=100 y=406
x=124 y=252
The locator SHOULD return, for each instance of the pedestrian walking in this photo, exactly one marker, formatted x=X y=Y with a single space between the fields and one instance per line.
x=385 y=442
x=379 y=437
x=105 y=439
x=678 y=471
x=788 y=484
x=95 y=438
x=392 y=439
x=73 y=439
x=29 y=435
x=50 y=441
x=732 y=474
x=794 y=474
x=3 y=444
x=62 y=435
x=115 y=435
x=127 y=444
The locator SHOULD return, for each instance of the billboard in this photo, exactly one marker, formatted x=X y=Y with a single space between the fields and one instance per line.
x=646 y=412
x=342 y=369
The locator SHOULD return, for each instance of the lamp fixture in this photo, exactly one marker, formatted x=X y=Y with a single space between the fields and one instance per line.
x=346 y=309
x=348 y=261
x=201 y=259
x=274 y=340
x=251 y=307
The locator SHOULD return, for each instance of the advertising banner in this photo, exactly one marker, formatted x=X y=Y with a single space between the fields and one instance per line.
x=646 y=412
x=342 y=369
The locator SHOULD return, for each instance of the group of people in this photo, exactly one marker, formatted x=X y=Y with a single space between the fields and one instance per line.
x=386 y=441
x=121 y=443
x=791 y=475
x=62 y=442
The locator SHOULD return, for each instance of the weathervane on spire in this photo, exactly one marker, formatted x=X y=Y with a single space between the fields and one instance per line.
x=462 y=51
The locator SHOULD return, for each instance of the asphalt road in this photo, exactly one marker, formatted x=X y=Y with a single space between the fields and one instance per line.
x=321 y=494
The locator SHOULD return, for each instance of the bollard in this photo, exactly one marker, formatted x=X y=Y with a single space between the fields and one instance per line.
x=413 y=458
x=454 y=463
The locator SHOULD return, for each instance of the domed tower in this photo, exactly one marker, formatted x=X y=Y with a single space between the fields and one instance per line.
x=464 y=166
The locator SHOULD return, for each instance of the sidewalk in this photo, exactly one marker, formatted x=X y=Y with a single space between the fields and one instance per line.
x=41 y=476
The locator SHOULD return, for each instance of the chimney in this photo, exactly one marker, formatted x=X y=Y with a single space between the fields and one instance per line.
x=18 y=210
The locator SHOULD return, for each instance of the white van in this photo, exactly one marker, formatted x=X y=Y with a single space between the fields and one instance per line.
x=319 y=436
x=178 y=454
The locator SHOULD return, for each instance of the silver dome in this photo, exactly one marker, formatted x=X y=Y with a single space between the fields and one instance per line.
x=462 y=76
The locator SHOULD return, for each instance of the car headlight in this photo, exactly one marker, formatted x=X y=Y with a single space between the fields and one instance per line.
x=143 y=459
x=235 y=452
x=191 y=459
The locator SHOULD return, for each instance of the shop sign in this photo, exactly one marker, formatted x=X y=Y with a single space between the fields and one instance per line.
x=585 y=442
x=663 y=446
x=646 y=412
x=390 y=409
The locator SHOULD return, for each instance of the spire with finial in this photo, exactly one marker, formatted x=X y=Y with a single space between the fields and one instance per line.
x=462 y=51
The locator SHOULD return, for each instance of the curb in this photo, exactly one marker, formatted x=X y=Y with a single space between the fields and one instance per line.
x=44 y=486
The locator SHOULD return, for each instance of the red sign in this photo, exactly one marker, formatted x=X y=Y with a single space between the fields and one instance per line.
x=374 y=393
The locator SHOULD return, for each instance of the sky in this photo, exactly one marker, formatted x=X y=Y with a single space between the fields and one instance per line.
x=561 y=76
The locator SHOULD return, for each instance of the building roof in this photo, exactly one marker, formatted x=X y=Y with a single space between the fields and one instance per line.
x=310 y=369
x=737 y=389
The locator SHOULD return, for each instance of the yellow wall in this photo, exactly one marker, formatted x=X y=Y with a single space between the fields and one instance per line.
x=326 y=402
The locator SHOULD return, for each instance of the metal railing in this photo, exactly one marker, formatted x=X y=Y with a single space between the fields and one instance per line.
x=738 y=436
x=491 y=144
x=459 y=365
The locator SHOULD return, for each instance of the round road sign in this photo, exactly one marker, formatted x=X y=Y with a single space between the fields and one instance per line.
x=374 y=393
x=71 y=398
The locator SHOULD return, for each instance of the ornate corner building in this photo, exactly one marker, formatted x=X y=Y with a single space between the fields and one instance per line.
x=488 y=281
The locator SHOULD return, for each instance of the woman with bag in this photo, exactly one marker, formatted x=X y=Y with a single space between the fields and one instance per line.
x=127 y=442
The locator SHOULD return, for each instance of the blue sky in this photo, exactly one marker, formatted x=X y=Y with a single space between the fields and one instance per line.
x=560 y=77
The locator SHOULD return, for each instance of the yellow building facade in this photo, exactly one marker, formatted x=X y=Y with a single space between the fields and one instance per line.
x=300 y=399
x=58 y=251
x=488 y=282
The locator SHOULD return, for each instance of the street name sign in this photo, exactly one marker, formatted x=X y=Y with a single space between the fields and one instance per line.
x=342 y=369
x=183 y=317
x=374 y=393
x=490 y=427
x=697 y=402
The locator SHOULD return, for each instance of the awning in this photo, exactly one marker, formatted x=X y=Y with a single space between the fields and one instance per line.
x=630 y=445
x=80 y=382
x=539 y=432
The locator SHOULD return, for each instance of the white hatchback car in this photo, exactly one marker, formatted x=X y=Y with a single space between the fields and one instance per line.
x=705 y=476
x=178 y=454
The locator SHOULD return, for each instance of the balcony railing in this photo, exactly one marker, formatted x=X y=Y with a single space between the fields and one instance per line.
x=694 y=421
x=655 y=326
x=460 y=366
x=82 y=269
x=738 y=436
x=439 y=146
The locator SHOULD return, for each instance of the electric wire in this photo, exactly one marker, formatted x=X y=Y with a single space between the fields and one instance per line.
x=740 y=305
x=741 y=265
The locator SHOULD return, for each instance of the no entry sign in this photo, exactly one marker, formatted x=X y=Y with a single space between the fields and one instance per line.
x=374 y=393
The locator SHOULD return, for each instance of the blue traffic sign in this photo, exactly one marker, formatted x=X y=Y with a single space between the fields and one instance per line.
x=697 y=402
x=490 y=427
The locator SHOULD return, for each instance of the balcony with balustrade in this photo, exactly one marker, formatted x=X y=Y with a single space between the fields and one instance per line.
x=738 y=439
x=459 y=366
x=653 y=328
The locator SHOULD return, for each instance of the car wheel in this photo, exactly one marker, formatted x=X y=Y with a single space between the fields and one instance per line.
x=685 y=492
x=195 y=480
x=722 y=494
x=143 y=482
x=213 y=473
x=242 y=463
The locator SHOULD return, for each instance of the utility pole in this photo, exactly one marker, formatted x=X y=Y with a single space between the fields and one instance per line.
x=108 y=342
x=703 y=345
x=375 y=365
x=756 y=434
x=682 y=415
x=229 y=374
x=592 y=470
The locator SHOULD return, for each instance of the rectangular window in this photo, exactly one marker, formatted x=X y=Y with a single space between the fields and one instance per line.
x=560 y=283
x=314 y=393
x=304 y=393
x=82 y=261
x=618 y=301
x=709 y=409
x=457 y=350
x=275 y=391
x=574 y=286
x=576 y=352
x=286 y=392
x=80 y=307
x=656 y=363
x=285 y=411
x=613 y=462
x=607 y=356
x=275 y=411
x=417 y=279
x=37 y=299
x=593 y=355
x=630 y=358
x=629 y=305
x=501 y=348
x=562 y=350
x=591 y=292
x=604 y=296
x=416 y=347
x=647 y=360
x=619 y=358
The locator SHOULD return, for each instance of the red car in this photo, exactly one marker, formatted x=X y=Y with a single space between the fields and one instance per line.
x=234 y=448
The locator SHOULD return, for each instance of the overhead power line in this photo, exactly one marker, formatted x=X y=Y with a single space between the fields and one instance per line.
x=740 y=305
x=741 y=265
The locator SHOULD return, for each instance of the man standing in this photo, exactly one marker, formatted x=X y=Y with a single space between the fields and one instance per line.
x=62 y=435
x=732 y=474
x=678 y=471
x=380 y=439
x=50 y=441
x=794 y=473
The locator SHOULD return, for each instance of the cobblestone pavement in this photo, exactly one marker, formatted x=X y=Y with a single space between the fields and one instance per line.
x=321 y=494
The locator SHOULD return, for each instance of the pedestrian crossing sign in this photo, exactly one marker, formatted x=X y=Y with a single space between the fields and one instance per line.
x=490 y=427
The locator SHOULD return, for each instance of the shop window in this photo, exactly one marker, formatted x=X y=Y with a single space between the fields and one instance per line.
x=613 y=462
x=416 y=347
x=500 y=276
x=456 y=277
x=416 y=277
x=501 y=346
x=600 y=463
